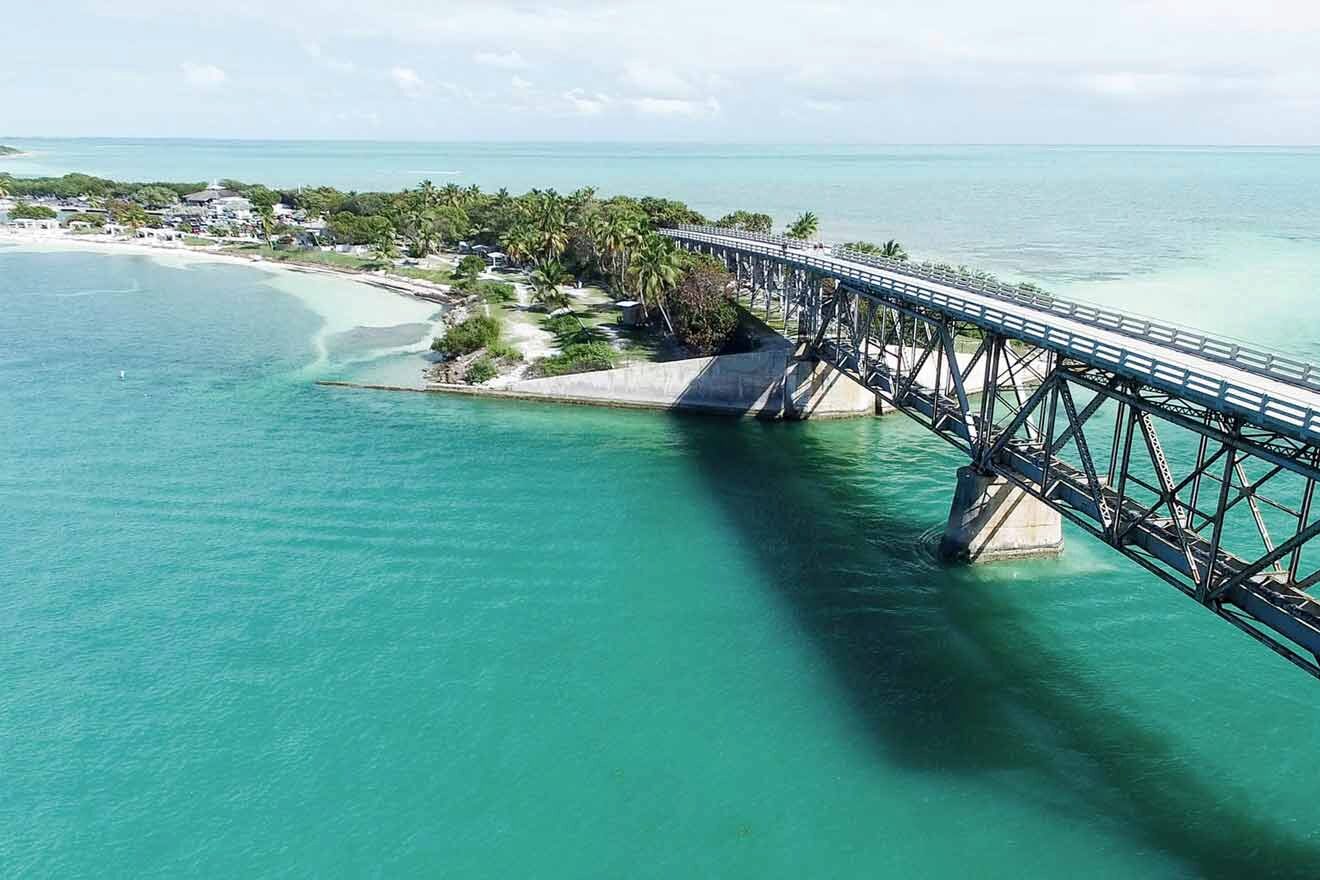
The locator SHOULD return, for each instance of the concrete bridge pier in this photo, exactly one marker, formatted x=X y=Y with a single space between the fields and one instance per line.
x=991 y=519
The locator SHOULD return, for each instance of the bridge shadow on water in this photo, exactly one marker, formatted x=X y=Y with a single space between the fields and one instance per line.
x=943 y=672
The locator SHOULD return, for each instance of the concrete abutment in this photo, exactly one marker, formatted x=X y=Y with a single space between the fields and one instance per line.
x=992 y=519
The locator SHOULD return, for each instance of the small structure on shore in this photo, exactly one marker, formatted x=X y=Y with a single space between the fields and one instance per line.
x=631 y=313
x=210 y=194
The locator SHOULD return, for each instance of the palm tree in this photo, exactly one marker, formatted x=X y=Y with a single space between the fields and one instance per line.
x=656 y=267
x=430 y=199
x=4 y=193
x=625 y=235
x=267 y=216
x=383 y=249
x=892 y=250
x=517 y=243
x=804 y=227
x=452 y=195
x=545 y=280
x=552 y=241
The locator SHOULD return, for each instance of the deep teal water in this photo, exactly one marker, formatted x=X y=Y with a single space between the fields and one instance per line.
x=253 y=627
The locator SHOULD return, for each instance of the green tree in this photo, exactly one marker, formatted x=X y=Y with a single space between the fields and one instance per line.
x=155 y=196
x=90 y=219
x=261 y=196
x=804 y=227
x=518 y=244
x=545 y=281
x=318 y=201
x=746 y=221
x=127 y=213
x=890 y=250
x=23 y=211
x=656 y=267
x=469 y=335
x=266 y=216
x=468 y=270
x=383 y=248
x=702 y=310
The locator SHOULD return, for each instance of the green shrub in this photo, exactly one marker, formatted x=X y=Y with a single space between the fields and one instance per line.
x=504 y=351
x=23 y=211
x=496 y=291
x=576 y=358
x=481 y=370
x=479 y=331
x=469 y=269
x=562 y=326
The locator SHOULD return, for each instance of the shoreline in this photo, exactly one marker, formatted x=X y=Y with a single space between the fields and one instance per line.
x=47 y=241
x=343 y=300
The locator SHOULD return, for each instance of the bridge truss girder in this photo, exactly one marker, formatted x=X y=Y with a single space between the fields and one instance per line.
x=1224 y=514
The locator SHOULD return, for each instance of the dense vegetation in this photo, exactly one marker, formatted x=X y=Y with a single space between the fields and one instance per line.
x=473 y=334
x=559 y=239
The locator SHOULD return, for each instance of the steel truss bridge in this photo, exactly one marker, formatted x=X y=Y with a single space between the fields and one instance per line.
x=1195 y=457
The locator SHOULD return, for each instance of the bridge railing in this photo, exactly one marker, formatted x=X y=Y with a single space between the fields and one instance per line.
x=1288 y=417
x=1282 y=368
x=767 y=237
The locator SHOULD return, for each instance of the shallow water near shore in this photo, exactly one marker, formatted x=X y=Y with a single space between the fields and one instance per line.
x=253 y=626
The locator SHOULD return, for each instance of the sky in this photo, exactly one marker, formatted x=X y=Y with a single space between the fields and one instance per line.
x=753 y=71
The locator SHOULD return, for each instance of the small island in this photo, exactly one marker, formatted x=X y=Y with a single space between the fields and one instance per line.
x=7 y=151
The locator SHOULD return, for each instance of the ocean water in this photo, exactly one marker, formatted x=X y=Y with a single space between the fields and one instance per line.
x=1203 y=227
x=255 y=627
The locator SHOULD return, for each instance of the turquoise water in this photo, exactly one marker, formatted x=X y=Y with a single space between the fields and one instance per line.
x=254 y=627
x=1202 y=229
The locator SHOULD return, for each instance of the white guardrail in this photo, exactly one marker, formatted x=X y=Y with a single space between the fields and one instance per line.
x=1257 y=407
x=1245 y=357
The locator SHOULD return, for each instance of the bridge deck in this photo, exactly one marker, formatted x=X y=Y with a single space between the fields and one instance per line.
x=1261 y=400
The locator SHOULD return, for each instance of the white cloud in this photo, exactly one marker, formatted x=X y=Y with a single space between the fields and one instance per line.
x=823 y=106
x=462 y=92
x=942 y=70
x=519 y=84
x=655 y=80
x=1137 y=85
x=202 y=75
x=314 y=50
x=408 y=80
x=1129 y=86
x=510 y=60
x=675 y=107
x=368 y=117
x=579 y=102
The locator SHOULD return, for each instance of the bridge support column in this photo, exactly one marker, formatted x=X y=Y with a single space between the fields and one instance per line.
x=992 y=519
x=812 y=389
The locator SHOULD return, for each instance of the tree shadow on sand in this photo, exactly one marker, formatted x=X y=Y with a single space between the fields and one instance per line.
x=947 y=678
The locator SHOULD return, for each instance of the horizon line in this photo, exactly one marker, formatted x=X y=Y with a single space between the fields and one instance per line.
x=665 y=142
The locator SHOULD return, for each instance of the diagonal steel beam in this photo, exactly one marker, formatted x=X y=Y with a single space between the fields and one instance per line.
x=1084 y=451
